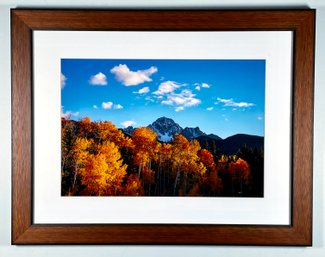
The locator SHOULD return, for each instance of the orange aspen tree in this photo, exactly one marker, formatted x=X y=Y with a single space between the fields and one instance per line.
x=145 y=147
x=107 y=131
x=133 y=186
x=240 y=172
x=211 y=182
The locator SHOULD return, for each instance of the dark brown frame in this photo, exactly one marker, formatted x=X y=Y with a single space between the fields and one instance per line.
x=24 y=22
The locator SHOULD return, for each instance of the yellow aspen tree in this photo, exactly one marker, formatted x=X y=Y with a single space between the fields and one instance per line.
x=103 y=173
x=186 y=162
x=80 y=154
x=145 y=147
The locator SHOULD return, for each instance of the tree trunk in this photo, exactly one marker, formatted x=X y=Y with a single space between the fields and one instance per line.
x=74 y=180
x=177 y=175
x=139 y=170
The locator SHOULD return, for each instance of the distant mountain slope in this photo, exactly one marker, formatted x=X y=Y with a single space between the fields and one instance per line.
x=213 y=136
x=232 y=144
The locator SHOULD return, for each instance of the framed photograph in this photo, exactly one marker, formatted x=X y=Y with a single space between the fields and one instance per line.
x=162 y=126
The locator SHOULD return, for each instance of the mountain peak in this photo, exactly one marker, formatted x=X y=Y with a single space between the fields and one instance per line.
x=129 y=130
x=191 y=133
x=166 y=128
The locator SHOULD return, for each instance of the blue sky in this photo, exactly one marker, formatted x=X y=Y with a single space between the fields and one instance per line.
x=223 y=97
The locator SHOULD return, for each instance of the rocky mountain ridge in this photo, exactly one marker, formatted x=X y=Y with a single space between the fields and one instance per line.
x=167 y=128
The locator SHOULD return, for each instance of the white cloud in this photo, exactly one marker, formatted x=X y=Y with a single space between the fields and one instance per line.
x=260 y=118
x=68 y=114
x=143 y=90
x=117 y=106
x=98 y=79
x=128 y=123
x=95 y=106
x=111 y=105
x=199 y=85
x=210 y=108
x=107 y=105
x=63 y=80
x=180 y=108
x=182 y=100
x=167 y=87
x=166 y=94
x=230 y=102
x=132 y=78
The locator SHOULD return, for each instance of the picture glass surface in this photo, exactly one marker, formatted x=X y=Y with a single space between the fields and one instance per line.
x=151 y=127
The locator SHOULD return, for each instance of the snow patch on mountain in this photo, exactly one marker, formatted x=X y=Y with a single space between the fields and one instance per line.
x=165 y=137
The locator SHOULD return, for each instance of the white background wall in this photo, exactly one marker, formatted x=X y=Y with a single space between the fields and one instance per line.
x=6 y=249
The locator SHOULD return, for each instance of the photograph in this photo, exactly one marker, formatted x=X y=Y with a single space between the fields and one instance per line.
x=162 y=127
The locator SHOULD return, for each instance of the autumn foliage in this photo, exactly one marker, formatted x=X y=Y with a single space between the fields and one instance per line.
x=98 y=159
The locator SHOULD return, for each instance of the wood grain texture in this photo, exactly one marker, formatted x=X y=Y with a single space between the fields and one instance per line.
x=301 y=22
x=161 y=20
x=303 y=108
x=21 y=128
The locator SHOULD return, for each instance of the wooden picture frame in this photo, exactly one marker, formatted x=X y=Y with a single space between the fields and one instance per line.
x=25 y=21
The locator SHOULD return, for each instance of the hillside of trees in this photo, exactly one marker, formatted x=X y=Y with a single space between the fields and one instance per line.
x=98 y=159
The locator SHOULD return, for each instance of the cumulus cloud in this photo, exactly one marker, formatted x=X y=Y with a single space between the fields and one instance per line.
x=210 y=108
x=143 y=90
x=63 y=80
x=99 y=79
x=128 y=123
x=132 y=78
x=181 y=100
x=107 y=105
x=166 y=88
x=231 y=103
x=198 y=86
x=111 y=105
x=68 y=114
x=117 y=106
